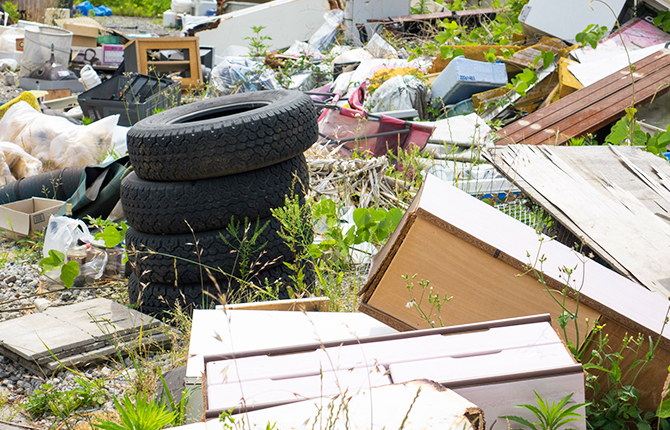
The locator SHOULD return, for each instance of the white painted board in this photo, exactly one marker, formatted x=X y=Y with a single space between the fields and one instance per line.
x=217 y=332
x=284 y=20
x=565 y=18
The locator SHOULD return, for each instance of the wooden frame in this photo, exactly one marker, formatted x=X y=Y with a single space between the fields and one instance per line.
x=136 y=58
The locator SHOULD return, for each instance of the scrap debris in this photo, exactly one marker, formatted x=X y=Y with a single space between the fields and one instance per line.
x=510 y=162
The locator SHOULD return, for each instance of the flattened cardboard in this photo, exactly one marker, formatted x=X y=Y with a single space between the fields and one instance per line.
x=26 y=216
x=477 y=254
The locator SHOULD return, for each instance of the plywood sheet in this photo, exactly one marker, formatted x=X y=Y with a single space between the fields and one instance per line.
x=611 y=196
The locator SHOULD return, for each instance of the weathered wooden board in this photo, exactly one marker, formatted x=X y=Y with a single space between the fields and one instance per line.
x=592 y=107
x=611 y=197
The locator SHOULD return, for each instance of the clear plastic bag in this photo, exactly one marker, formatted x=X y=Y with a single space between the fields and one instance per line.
x=55 y=140
x=380 y=48
x=19 y=162
x=240 y=75
x=399 y=93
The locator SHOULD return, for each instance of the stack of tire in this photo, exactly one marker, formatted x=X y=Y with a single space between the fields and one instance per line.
x=200 y=170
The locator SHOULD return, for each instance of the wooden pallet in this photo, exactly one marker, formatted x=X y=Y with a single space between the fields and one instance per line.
x=591 y=108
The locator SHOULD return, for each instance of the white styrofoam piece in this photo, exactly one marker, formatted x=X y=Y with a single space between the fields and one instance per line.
x=495 y=364
x=381 y=352
x=272 y=392
x=501 y=399
x=285 y=20
x=466 y=130
x=591 y=72
x=565 y=18
x=218 y=332
x=621 y=296
x=377 y=408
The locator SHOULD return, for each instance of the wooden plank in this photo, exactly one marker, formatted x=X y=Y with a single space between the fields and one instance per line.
x=651 y=70
x=598 y=91
x=631 y=234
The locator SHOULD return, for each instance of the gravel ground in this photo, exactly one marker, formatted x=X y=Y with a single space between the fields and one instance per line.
x=20 y=285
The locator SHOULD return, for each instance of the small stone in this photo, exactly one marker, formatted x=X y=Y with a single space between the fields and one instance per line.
x=9 y=279
x=42 y=304
x=106 y=372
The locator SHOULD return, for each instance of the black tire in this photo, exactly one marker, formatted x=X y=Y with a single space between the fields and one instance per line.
x=223 y=136
x=157 y=297
x=214 y=252
x=210 y=204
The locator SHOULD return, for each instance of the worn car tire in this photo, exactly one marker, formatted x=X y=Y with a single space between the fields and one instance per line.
x=223 y=136
x=210 y=204
x=174 y=256
x=158 y=297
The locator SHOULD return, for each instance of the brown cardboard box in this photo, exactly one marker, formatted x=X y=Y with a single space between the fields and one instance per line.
x=84 y=35
x=26 y=216
x=480 y=256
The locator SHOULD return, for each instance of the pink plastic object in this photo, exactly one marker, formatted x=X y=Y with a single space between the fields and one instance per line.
x=356 y=130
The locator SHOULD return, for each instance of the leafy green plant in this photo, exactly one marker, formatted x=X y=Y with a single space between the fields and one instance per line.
x=663 y=19
x=522 y=82
x=56 y=261
x=179 y=408
x=143 y=415
x=370 y=225
x=257 y=43
x=551 y=417
x=12 y=9
x=591 y=35
x=62 y=404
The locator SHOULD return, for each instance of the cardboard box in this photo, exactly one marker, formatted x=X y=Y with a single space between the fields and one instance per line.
x=480 y=256
x=84 y=35
x=26 y=216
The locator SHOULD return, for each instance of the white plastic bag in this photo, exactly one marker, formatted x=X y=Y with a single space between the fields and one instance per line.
x=5 y=173
x=399 y=93
x=380 y=48
x=63 y=232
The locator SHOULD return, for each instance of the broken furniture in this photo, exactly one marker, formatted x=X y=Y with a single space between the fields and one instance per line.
x=413 y=405
x=241 y=331
x=496 y=365
x=485 y=260
x=81 y=333
x=613 y=199
x=142 y=55
x=593 y=107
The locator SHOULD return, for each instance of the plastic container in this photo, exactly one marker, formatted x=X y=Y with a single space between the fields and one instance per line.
x=89 y=77
x=462 y=78
x=132 y=96
x=37 y=47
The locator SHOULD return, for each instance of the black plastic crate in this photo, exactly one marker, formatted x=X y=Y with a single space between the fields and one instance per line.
x=132 y=96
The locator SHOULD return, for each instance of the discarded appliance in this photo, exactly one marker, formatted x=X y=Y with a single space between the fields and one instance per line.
x=137 y=58
x=567 y=18
x=592 y=107
x=51 y=70
x=462 y=78
x=242 y=331
x=412 y=405
x=132 y=96
x=529 y=356
x=81 y=333
x=469 y=250
x=617 y=196
x=286 y=20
